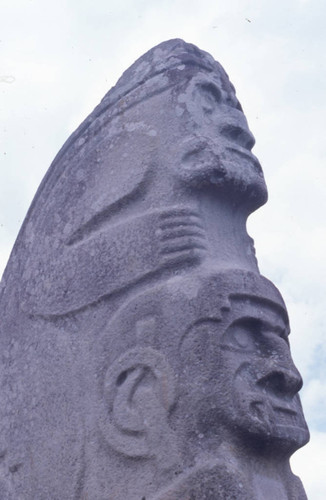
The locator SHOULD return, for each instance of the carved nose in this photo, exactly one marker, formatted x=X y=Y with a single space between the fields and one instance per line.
x=281 y=382
x=239 y=135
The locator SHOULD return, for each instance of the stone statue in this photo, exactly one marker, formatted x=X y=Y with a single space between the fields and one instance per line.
x=144 y=356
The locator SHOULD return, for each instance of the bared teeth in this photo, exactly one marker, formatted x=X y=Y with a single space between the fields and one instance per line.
x=256 y=408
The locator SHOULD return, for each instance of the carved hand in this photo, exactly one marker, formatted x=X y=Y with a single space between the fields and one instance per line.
x=181 y=236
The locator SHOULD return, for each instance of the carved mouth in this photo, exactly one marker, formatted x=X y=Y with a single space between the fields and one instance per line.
x=246 y=155
x=281 y=416
x=287 y=417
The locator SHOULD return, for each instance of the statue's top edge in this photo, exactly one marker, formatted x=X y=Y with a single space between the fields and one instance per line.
x=164 y=57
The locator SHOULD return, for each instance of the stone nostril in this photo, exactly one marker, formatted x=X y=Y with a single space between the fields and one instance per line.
x=273 y=383
x=281 y=383
x=239 y=135
x=231 y=132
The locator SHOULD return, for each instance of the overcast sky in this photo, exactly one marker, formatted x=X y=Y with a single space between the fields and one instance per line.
x=59 y=58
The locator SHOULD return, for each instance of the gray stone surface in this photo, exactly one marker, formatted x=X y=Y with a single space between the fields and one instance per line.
x=144 y=357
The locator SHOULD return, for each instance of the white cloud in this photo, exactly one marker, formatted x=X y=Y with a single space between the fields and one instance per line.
x=309 y=464
x=314 y=399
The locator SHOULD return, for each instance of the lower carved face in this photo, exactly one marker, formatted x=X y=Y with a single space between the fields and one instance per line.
x=246 y=385
x=266 y=382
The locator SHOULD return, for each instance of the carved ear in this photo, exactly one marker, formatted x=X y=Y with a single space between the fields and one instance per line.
x=138 y=393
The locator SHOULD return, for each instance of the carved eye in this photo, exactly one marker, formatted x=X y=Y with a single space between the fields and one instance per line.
x=242 y=337
x=210 y=96
x=243 y=334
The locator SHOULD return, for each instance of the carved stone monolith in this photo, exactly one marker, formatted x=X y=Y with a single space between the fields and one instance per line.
x=144 y=357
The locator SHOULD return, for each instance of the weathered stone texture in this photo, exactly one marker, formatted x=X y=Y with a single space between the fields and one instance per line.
x=144 y=357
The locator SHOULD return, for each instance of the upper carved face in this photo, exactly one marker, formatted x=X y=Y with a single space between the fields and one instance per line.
x=215 y=143
x=245 y=385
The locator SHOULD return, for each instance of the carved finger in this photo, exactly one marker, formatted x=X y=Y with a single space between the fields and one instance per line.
x=182 y=221
x=179 y=212
x=181 y=231
x=182 y=243
x=193 y=255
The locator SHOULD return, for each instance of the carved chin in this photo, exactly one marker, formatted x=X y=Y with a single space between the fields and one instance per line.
x=271 y=419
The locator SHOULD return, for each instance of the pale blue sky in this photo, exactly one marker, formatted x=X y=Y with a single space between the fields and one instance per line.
x=59 y=58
